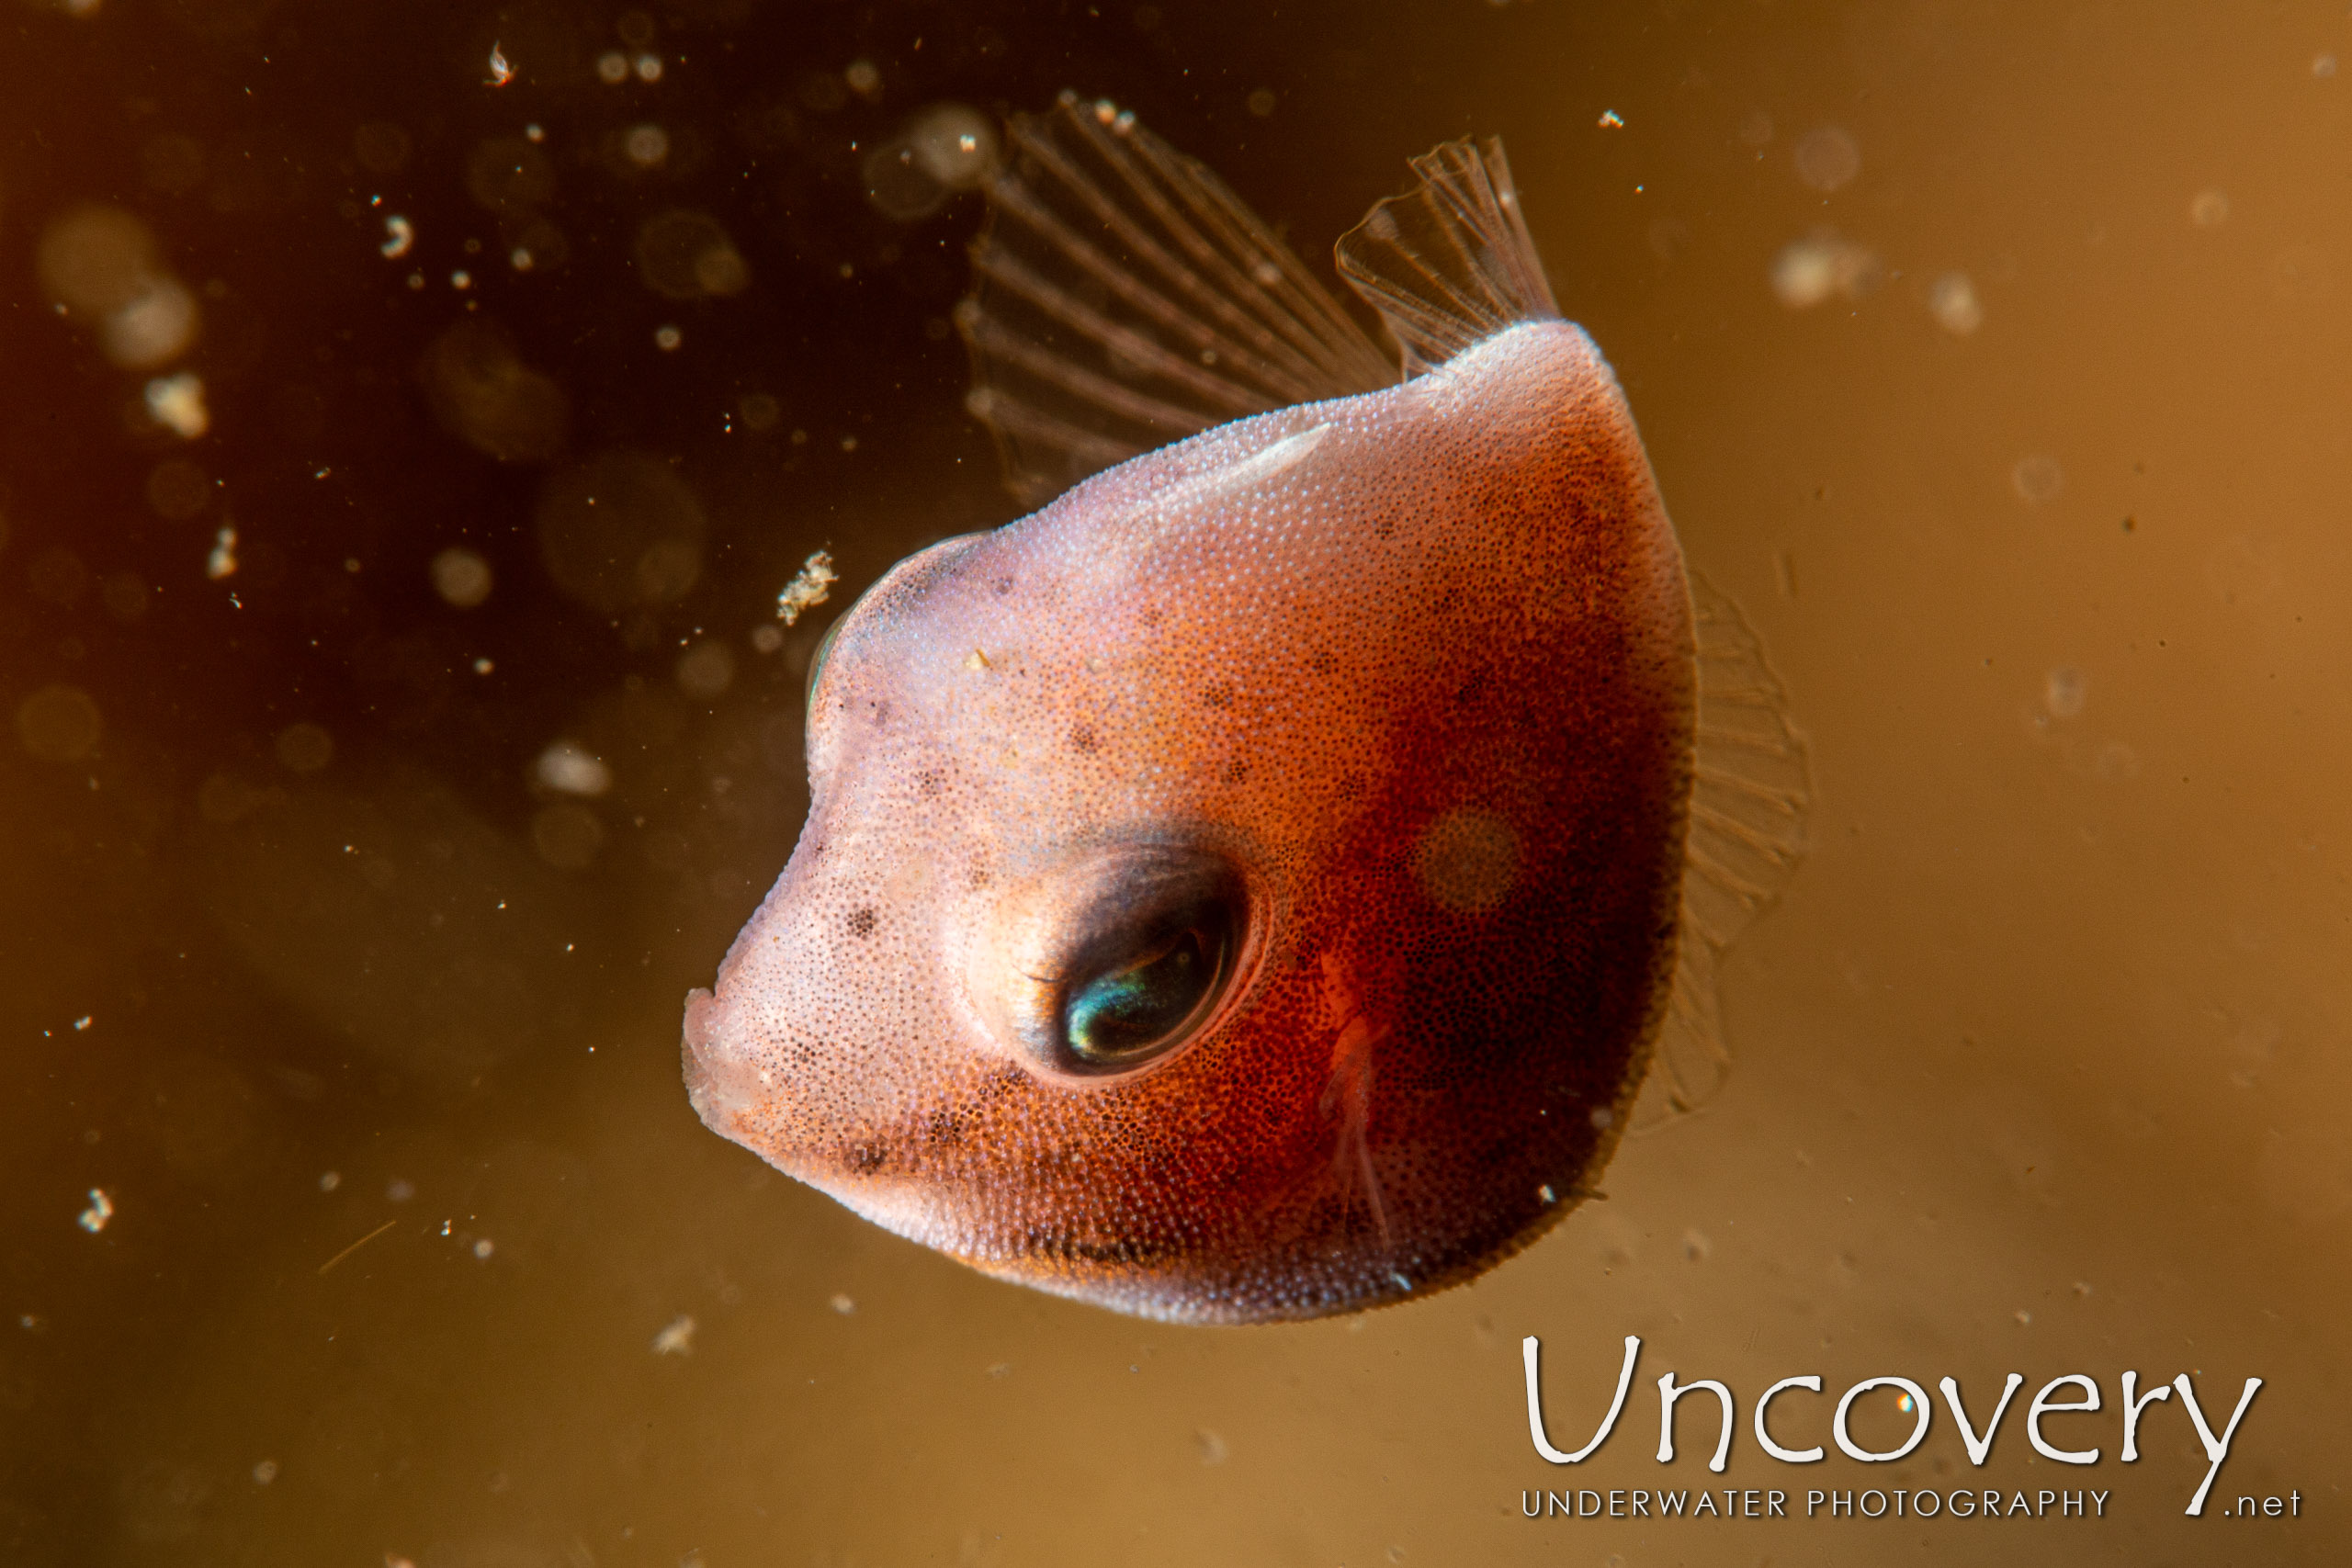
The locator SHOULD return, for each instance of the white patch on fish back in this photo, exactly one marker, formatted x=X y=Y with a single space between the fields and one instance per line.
x=1256 y=469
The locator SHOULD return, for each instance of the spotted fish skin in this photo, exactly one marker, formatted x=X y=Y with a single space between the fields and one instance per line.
x=1418 y=665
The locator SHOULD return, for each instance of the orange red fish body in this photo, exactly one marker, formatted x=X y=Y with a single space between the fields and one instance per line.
x=1249 y=888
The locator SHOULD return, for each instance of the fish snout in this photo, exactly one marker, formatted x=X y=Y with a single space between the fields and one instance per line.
x=720 y=1084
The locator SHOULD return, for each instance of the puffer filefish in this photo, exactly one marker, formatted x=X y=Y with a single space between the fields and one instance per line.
x=1256 y=884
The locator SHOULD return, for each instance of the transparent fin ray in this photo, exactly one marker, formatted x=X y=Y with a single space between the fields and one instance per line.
x=1450 y=262
x=1750 y=794
x=1124 y=298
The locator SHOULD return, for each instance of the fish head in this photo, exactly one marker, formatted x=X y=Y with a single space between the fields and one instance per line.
x=1244 y=888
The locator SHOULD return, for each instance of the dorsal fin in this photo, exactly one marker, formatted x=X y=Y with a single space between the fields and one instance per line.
x=1751 y=792
x=1124 y=298
x=1451 y=260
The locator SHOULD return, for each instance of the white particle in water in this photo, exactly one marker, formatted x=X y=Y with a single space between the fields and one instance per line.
x=1808 y=271
x=1952 y=301
x=461 y=577
x=569 y=768
x=646 y=145
x=177 y=402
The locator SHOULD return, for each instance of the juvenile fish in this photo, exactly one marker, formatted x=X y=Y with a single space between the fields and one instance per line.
x=1255 y=884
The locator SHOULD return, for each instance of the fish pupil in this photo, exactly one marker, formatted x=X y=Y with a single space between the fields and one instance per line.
x=1134 y=1007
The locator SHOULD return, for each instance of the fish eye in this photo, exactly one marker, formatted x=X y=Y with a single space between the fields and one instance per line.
x=1160 y=976
x=1120 y=958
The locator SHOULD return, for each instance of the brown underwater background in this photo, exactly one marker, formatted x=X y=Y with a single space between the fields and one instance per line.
x=368 y=801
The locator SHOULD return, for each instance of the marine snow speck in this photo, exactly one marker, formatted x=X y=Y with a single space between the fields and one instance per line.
x=1256 y=884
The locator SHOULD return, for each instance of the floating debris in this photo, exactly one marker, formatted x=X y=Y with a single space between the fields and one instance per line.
x=677 y=1338
x=2038 y=478
x=357 y=1244
x=2064 y=691
x=1810 y=270
x=810 y=587
x=646 y=145
x=1952 y=301
x=177 y=402
x=1828 y=159
x=955 y=144
x=222 y=561
x=1609 y=121
x=94 y=1218
x=569 y=768
x=102 y=264
x=461 y=577
x=501 y=73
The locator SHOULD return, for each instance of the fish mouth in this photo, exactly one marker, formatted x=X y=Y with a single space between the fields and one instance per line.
x=745 y=1104
x=718 y=1083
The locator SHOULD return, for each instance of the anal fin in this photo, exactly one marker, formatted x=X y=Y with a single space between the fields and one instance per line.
x=1749 y=796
